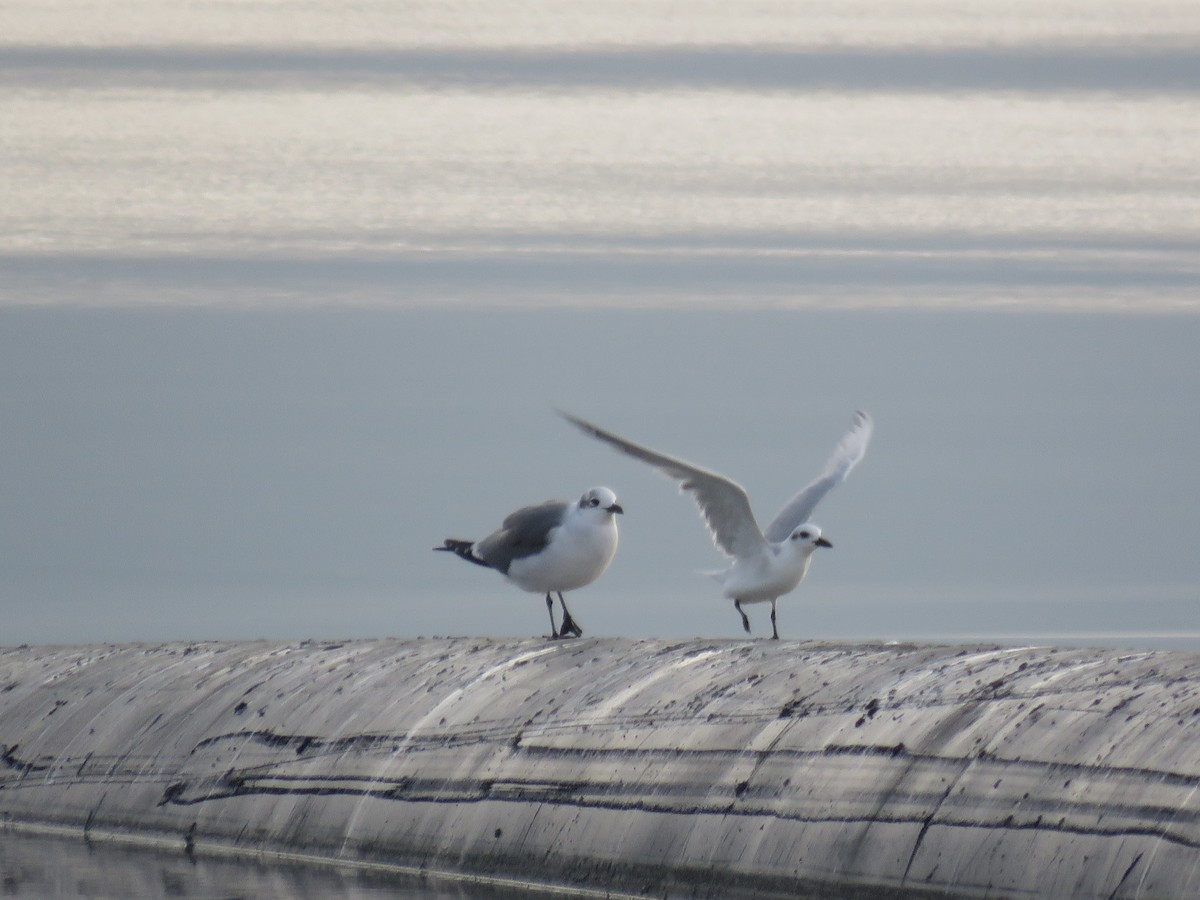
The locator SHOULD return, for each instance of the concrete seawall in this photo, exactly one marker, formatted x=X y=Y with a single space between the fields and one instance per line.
x=643 y=767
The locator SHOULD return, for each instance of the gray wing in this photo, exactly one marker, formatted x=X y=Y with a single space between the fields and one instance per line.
x=722 y=502
x=523 y=533
x=849 y=451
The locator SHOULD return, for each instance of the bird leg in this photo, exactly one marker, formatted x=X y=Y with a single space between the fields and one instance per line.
x=568 y=624
x=550 y=609
x=745 y=618
x=775 y=630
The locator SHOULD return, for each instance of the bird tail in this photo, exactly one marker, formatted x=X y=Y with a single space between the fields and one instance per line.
x=463 y=550
x=717 y=575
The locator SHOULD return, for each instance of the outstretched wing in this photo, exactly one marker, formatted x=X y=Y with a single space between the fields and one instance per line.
x=849 y=451
x=722 y=502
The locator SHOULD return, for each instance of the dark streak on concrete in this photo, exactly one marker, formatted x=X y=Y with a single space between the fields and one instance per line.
x=699 y=766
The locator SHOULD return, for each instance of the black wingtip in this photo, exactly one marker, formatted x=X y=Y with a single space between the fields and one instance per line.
x=575 y=420
x=594 y=431
x=463 y=550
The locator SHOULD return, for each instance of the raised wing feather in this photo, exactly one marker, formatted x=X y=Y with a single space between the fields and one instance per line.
x=850 y=450
x=722 y=502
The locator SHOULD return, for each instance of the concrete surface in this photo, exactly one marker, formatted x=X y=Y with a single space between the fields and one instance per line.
x=688 y=768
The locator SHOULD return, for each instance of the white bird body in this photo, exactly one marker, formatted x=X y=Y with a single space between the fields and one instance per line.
x=765 y=576
x=550 y=548
x=766 y=563
x=577 y=552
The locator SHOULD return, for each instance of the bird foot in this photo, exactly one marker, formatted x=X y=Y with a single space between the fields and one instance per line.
x=569 y=625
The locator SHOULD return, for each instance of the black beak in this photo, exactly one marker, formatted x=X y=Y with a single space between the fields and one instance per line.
x=616 y=508
x=821 y=542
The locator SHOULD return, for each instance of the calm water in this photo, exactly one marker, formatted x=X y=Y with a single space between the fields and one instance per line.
x=58 y=868
x=613 y=154
x=288 y=293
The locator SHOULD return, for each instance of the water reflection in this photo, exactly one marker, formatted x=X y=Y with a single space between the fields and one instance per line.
x=48 y=867
x=758 y=67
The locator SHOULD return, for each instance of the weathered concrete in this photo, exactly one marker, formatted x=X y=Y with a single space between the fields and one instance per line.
x=669 y=768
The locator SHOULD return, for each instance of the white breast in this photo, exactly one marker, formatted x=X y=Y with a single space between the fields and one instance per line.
x=578 y=552
x=765 y=577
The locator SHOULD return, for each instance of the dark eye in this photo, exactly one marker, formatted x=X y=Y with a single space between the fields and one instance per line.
x=595 y=502
x=805 y=535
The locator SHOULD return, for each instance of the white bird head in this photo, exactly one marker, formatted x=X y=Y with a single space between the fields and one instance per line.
x=600 y=503
x=807 y=538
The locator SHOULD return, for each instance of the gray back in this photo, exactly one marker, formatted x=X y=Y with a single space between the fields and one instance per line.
x=522 y=534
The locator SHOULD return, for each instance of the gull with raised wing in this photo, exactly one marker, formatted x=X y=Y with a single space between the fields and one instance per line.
x=555 y=546
x=766 y=564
